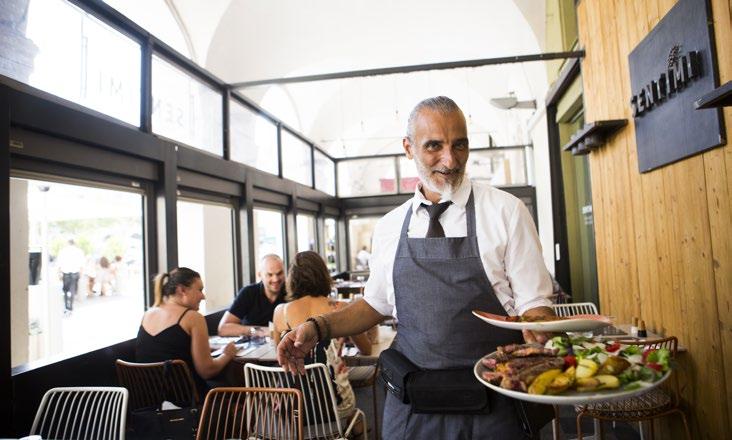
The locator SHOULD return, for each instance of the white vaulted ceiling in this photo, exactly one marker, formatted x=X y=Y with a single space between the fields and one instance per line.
x=245 y=40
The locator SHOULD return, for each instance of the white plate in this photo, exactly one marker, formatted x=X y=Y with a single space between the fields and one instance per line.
x=568 y=397
x=574 y=324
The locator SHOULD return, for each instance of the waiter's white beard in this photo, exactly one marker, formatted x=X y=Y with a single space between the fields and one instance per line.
x=445 y=190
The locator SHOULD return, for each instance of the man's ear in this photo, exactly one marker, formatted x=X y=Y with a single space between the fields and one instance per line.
x=407 y=148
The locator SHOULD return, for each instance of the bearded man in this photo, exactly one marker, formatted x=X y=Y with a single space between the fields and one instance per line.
x=453 y=247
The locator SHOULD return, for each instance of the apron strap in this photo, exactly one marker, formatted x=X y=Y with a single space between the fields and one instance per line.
x=405 y=224
x=470 y=214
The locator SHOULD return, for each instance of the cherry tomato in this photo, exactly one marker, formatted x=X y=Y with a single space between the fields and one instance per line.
x=570 y=361
x=612 y=348
x=646 y=353
x=655 y=366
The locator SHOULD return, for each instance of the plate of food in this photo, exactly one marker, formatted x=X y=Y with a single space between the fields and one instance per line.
x=575 y=323
x=573 y=371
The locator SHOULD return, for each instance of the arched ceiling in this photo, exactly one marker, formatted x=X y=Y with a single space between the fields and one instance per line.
x=253 y=40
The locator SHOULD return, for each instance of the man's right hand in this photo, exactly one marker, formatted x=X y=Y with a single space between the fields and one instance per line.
x=295 y=345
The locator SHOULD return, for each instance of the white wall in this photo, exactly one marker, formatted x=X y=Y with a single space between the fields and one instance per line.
x=542 y=182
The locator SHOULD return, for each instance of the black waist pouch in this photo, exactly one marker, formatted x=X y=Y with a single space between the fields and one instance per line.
x=432 y=391
x=395 y=368
x=447 y=392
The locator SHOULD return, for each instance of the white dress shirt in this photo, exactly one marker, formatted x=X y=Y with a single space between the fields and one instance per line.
x=507 y=241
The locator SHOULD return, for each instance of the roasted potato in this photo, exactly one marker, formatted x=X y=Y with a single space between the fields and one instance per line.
x=587 y=384
x=607 y=381
x=538 y=385
x=586 y=368
x=613 y=365
x=561 y=382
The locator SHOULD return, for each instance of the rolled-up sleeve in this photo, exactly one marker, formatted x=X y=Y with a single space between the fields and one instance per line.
x=525 y=269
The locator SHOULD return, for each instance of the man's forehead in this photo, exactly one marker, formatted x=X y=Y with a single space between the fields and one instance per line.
x=435 y=123
x=272 y=265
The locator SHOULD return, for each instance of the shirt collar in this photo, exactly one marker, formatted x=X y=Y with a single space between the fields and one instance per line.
x=459 y=197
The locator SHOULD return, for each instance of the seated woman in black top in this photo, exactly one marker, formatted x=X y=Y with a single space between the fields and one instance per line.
x=173 y=328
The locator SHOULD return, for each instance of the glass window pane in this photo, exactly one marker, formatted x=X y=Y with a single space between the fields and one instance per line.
x=360 y=232
x=185 y=109
x=331 y=249
x=77 y=280
x=365 y=177
x=269 y=233
x=253 y=138
x=306 y=240
x=206 y=245
x=59 y=48
x=407 y=175
x=498 y=167
x=324 y=173
x=296 y=159
x=156 y=17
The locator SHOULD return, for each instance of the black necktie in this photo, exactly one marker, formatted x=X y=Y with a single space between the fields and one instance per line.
x=435 y=211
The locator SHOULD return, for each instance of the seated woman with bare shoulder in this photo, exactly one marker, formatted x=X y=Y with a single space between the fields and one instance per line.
x=308 y=290
x=174 y=329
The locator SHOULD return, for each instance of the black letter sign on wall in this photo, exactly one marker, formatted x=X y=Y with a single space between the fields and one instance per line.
x=672 y=67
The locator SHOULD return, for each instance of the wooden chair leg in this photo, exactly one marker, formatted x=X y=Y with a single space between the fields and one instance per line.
x=686 y=422
x=579 y=425
x=555 y=424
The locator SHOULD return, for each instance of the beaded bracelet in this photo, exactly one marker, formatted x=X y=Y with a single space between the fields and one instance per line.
x=317 y=327
x=327 y=326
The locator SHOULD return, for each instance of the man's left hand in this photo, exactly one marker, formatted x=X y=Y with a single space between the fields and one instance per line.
x=534 y=336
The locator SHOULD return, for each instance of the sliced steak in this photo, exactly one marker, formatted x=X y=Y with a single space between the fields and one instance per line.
x=513 y=383
x=489 y=363
x=528 y=374
x=493 y=377
x=534 y=351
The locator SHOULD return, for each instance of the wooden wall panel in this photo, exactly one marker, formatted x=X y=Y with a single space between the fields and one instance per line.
x=663 y=238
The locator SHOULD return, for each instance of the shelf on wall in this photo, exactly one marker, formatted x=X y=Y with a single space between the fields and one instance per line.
x=719 y=97
x=593 y=136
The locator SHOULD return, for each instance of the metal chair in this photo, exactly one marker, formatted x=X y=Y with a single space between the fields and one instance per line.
x=571 y=309
x=251 y=413
x=321 y=410
x=82 y=412
x=647 y=406
x=150 y=384
x=362 y=377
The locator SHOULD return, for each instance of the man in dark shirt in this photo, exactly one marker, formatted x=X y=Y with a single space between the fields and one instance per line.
x=255 y=304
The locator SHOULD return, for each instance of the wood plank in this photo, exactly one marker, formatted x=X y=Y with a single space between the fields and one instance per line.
x=718 y=164
x=664 y=245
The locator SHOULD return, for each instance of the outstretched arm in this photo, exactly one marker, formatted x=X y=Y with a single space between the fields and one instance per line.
x=230 y=325
x=357 y=317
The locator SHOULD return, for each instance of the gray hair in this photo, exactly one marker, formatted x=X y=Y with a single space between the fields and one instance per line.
x=440 y=104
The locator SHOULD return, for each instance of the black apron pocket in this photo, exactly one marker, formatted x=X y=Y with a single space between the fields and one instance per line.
x=447 y=392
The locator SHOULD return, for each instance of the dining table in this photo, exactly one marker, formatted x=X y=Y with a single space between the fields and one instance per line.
x=264 y=352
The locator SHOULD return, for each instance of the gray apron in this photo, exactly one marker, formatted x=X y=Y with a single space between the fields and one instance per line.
x=437 y=283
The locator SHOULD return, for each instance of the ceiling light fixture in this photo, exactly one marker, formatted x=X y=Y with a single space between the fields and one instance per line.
x=510 y=101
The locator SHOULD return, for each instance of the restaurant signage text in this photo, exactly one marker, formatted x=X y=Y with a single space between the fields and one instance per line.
x=670 y=69
x=681 y=70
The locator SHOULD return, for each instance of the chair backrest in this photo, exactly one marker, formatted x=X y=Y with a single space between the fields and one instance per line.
x=321 y=408
x=571 y=309
x=82 y=412
x=671 y=343
x=150 y=384
x=261 y=413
